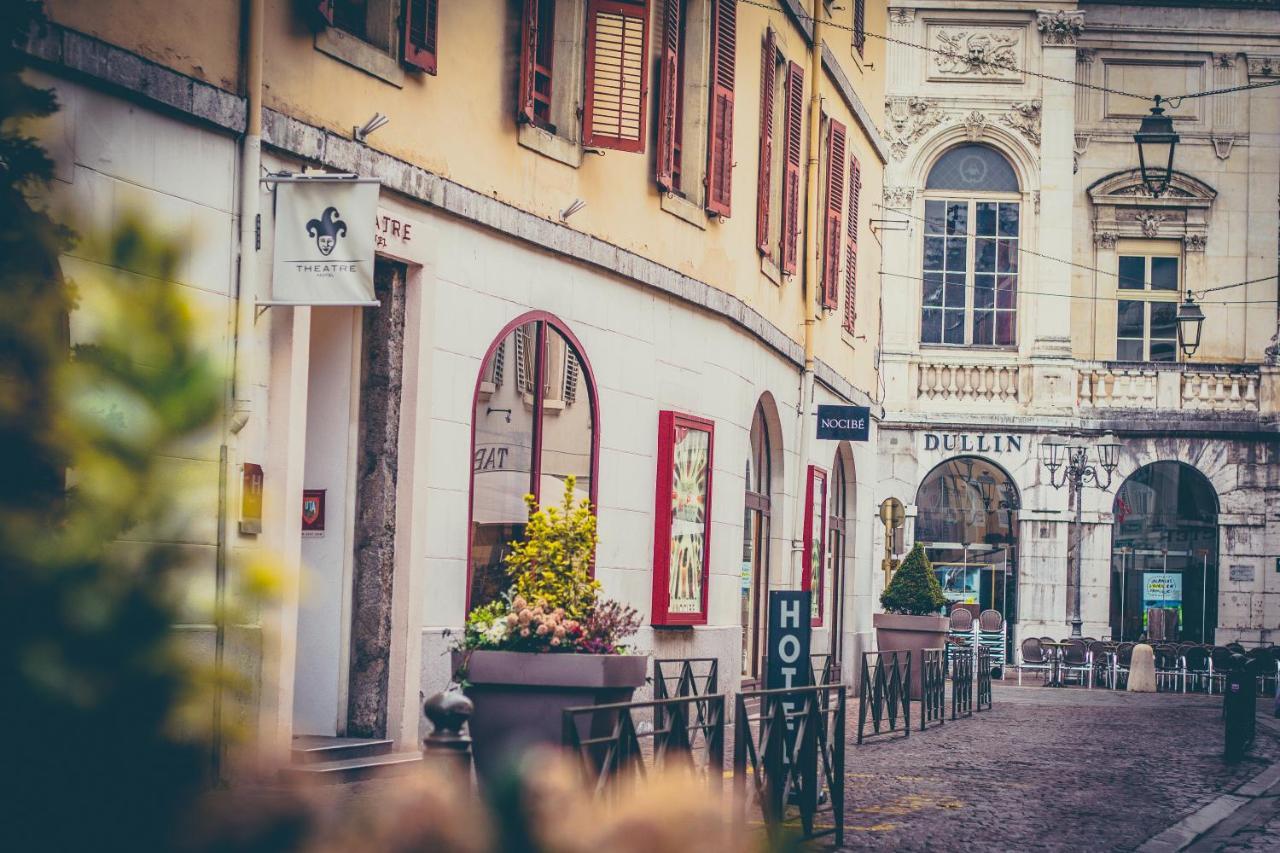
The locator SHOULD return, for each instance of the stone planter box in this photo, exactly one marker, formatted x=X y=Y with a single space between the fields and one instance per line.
x=519 y=697
x=895 y=632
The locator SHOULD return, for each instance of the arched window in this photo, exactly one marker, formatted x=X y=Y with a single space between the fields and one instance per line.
x=755 y=543
x=534 y=425
x=971 y=235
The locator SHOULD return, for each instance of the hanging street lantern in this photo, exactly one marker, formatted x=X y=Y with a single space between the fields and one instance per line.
x=1190 y=319
x=1156 y=142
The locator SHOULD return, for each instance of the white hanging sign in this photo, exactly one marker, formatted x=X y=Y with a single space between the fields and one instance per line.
x=324 y=245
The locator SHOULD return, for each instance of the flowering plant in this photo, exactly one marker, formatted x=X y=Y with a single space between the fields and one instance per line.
x=553 y=604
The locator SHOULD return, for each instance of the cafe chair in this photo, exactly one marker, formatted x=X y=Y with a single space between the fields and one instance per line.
x=1075 y=660
x=1032 y=658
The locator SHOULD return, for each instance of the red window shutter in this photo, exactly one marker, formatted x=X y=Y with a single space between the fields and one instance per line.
x=851 y=249
x=834 y=209
x=420 y=28
x=669 y=95
x=528 y=56
x=792 y=116
x=724 y=44
x=860 y=25
x=320 y=13
x=764 y=180
x=617 y=85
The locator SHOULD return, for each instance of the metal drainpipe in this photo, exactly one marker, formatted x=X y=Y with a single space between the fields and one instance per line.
x=811 y=272
x=242 y=347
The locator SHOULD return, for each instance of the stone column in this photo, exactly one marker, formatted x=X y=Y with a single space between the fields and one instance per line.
x=1050 y=319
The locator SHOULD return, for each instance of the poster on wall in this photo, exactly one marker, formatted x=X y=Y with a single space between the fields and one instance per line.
x=1161 y=589
x=682 y=526
x=959 y=583
x=815 y=539
x=323 y=242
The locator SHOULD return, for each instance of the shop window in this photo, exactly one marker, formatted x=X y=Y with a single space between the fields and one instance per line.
x=971 y=244
x=1148 y=286
x=531 y=431
x=682 y=520
x=757 y=510
x=815 y=539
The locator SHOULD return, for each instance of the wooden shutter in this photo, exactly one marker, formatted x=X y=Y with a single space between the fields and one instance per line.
x=764 y=178
x=851 y=249
x=831 y=235
x=319 y=12
x=528 y=56
x=617 y=74
x=724 y=43
x=793 y=111
x=420 y=28
x=668 y=95
x=860 y=25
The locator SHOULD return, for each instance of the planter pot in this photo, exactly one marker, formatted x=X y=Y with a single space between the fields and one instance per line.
x=519 y=697
x=895 y=632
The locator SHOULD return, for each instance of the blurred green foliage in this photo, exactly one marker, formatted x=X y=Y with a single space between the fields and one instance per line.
x=92 y=681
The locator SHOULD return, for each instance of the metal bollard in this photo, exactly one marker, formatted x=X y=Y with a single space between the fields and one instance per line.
x=446 y=745
x=1239 y=695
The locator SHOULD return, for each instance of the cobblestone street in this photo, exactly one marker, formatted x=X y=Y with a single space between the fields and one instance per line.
x=1054 y=770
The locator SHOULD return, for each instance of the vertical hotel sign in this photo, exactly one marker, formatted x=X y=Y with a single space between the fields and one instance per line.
x=323 y=243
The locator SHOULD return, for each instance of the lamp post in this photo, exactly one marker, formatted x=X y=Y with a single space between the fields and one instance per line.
x=1072 y=458
x=1156 y=141
x=1190 y=319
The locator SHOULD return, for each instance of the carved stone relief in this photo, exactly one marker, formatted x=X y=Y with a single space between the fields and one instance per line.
x=898 y=196
x=988 y=53
x=1024 y=117
x=908 y=119
x=901 y=15
x=1060 y=28
x=1195 y=242
x=1222 y=146
x=1104 y=239
x=975 y=123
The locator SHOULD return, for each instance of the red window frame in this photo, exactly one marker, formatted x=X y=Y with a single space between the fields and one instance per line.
x=816 y=475
x=543 y=319
x=668 y=423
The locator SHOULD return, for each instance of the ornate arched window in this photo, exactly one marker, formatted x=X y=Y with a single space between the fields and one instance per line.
x=971 y=231
x=534 y=424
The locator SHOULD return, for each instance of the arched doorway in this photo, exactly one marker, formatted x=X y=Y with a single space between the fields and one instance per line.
x=758 y=516
x=1165 y=551
x=840 y=529
x=967 y=519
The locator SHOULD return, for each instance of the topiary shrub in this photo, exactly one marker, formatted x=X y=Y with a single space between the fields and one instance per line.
x=914 y=590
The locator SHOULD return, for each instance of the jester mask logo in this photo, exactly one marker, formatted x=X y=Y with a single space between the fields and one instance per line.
x=327 y=229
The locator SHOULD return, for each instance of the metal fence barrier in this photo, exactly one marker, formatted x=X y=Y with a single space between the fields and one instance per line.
x=933 y=684
x=792 y=751
x=962 y=685
x=983 y=701
x=884 y=693
x=691 y=732
x=683 y=677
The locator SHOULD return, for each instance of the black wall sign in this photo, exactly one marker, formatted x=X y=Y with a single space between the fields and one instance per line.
x=848 y=423
x=787 y=653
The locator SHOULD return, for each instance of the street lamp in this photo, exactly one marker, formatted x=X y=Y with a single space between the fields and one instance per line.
x=1072 y=458
x=1156 y=142
x=1190 y=319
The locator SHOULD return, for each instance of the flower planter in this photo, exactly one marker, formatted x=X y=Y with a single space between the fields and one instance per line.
x=520 y=696
x=895 y=632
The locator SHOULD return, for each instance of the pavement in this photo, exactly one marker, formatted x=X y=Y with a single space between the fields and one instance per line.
x=1067 y=769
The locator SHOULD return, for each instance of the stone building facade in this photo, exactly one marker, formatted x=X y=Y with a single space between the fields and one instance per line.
x=1031 y=288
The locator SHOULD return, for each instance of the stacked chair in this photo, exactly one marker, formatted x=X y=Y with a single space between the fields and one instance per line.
x=991 y=633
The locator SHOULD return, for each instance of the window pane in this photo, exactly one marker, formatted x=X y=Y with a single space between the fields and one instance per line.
x=1008 y=256
x=1132 y=272
x=567 y=424
x=1128 y=350
x=986 y=218
x=957 y=217
x=931 y=326
x=1008 y=219
x=934 y=213
x=932 y=289
x=953 y=332
x=1006 y=331
x=984 y=254
x=1164 y=320
x=957 y=248
x=983 y=327
x=1163 y=351
x=955 y=291
x=1164 y=273
x=933 y=253
x=984 y=294
x=1006 y=290
x=1130 y=317
x=502 y=460
x=972 y=167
